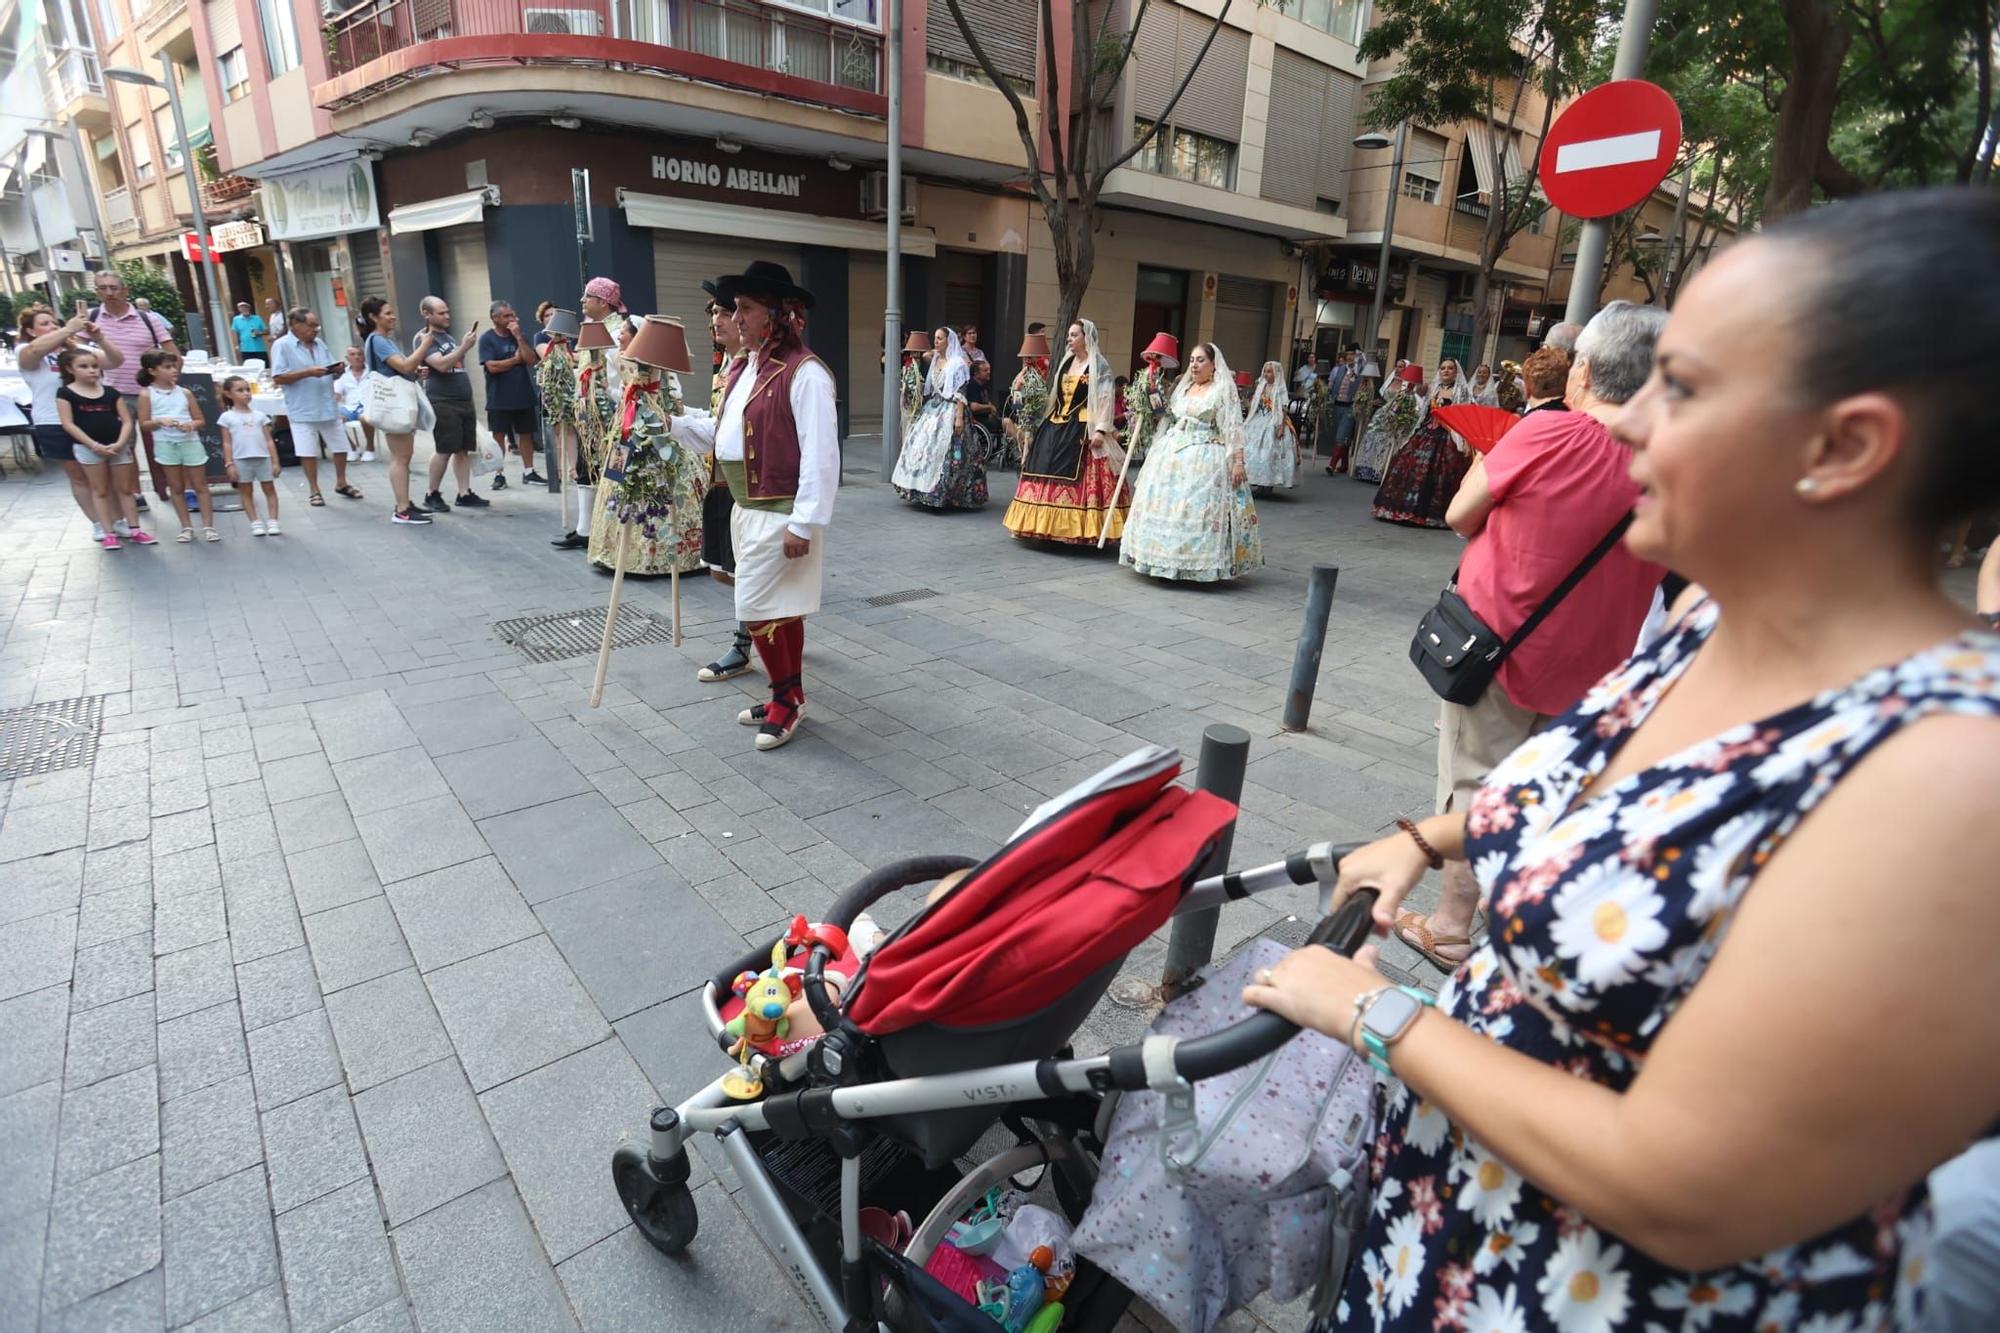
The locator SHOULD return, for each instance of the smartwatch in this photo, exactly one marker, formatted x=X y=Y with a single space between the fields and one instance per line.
x=1384 y=1016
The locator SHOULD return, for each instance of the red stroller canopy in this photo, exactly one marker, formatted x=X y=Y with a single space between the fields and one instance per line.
x=1051 y=908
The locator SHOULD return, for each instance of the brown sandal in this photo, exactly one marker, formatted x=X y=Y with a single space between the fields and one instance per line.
x=1413 y=929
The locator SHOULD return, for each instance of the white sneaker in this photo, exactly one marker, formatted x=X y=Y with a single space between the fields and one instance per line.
x=256 y=527
x=271 y=527
x=121 y=527
x=97 y=532
x=368 y=455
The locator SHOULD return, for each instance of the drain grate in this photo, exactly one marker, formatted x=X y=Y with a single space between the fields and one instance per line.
x=566 y=634
x=46 y=738
x=906 y=595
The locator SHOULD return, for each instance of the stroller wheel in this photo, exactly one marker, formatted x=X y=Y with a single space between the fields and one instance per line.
x=665 y=1214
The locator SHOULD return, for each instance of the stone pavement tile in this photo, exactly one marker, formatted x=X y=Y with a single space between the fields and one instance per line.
x=426 y=1139
x=292 y=1058
x=332 y=876
x=475 y=1264
x=737 y=900
x=192 y=918
x=230 y=770
x=1007 y=750
x=261 y=1310
x=513 y=1010
x=117 y=867
x=52 y=883
x=981 y=812
x=263 y=922
x=314 y=822
x=179 y=832
x=890 y=828
x=232 y=738
x=448 y=726
x=740 y=794
x=38 y=830
x=238 y=799
x=109 y=1124
x=284 y=740
x=110 y=1039
x=419 y=837
x=356 y=726
x=386 y=1027
x=115 y=971
x=1356 y=799
x=311 y=1147
x=102 y=1231
x=180 y=795
x=389 y=779
x=656 y=821
x=135 y=1306
x=209 y=1134
x=337 y=1264
x=115 y=914
x=277 y=987
x=298 y=777
x=622 y=1282
x=247 y=835
x=355 y=943
x=555 y=1126
x=49 y=788
x=620 y=786
x=219 y=1246
x=21 y=1237
x=462 y=910
x=639 y=940
x=34 y=1031
x=569 y=845
x=513 y=775
x=766 y=866
x=200 y=1049
x=194 y=979
x=694 y=858
x=176 y=873
x=122 y=824
x=670 y=1041
x=391 y=1317
x=829 y=864
x=38 y=952
x=921 y=779
x=28 y=1143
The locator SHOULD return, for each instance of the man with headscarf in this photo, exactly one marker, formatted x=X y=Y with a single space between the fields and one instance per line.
x=776 y=441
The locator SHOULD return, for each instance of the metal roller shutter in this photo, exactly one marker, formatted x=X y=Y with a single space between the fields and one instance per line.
x=1243 y=322
x=1338 y=119
x=223 y=30
x=1008 y=30
x=1170 y=37
x=1309 y=136
x=462 y=254
x=680 y=263
x=366 y=278
x=867 y=282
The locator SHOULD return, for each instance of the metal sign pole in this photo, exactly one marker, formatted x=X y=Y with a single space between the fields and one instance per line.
x=1635 y=40
x=892 y=313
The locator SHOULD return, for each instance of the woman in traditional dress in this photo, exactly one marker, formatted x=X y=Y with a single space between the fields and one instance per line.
x=1192 y=516
x=1270 y=445
x=939 y=466
x=1424 y=474
x=911 y=379
x=1484 y=389
x=1028 y=398
x=1390 y=422
x=1069 y=480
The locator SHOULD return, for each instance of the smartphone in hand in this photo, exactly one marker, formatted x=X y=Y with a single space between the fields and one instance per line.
x=82 y=308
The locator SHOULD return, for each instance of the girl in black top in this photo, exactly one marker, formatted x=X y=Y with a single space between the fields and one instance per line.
x=97 y=419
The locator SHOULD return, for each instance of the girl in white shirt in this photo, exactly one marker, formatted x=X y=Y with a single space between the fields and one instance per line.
x=250 y=454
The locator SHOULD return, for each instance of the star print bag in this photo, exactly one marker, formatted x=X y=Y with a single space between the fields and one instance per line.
x=1254 y=1181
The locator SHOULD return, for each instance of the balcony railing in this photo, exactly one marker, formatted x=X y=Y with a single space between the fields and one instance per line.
x=770 y=48
x=225 y=190
x=118 y=214
x=73 y=73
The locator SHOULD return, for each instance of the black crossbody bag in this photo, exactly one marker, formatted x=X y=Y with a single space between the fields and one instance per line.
x=1459 y=654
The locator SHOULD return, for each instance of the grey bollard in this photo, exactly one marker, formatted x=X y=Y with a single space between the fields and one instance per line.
x=1225 y=751
x=1312 y=642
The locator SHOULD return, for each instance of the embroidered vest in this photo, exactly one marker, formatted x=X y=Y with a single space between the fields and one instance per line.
x=770 y=435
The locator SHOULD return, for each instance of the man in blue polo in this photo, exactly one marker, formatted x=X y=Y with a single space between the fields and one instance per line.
x=249 y=331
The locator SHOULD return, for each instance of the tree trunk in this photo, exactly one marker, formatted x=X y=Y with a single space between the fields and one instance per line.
x=1076 y=263
x=1482 y=290
x=1818 y=39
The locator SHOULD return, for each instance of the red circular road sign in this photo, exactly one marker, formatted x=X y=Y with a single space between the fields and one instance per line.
x=1611 y=148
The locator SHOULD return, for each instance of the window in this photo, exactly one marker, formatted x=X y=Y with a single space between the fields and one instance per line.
x=959 y=69
x=233 y=72
x=107 y=22
x=1339 y=18
x=142 y=151
x=1424 y=157
x=1422 y=188
x=170 y=143
x=1185 y=155
x=281 y=35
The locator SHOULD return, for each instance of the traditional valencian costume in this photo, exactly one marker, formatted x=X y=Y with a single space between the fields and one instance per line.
x=1071 y=471
x=667 y=541
x=1148 y=394
x=1190 y=518
x=1389 y=424
x=939 y=465
x=1270 y=446
x=1423 y=475
x=716 y=508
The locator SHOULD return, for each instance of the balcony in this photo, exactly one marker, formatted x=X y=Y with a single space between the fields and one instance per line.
x=224 y=191
x=830 y=58
x=118 y=215
x=76 y=85
x=158 y=18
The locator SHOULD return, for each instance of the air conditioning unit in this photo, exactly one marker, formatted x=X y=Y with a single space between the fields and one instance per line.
x=566 y=22
x=875 y=196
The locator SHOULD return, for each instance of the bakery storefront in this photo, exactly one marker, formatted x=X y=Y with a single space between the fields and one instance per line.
x=324 y=220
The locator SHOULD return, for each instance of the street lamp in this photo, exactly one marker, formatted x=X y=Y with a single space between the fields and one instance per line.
x=75 y=141
x=1377 y=140
x=126 y=74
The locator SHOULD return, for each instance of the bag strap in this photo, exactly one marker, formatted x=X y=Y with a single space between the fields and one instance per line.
x=1563 y=589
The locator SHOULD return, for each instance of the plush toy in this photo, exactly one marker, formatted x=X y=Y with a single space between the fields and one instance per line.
x=763 y=1022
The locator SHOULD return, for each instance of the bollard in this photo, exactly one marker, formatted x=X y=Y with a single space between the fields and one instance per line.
x=1225 y=750
x=1312 y=642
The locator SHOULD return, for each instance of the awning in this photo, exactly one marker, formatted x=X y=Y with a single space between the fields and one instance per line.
x=697 y=215
x=200 y=137
x=451 y=211
x=1479 y=138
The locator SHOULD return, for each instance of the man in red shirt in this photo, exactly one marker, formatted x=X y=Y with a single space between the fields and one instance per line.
x=1533 y=508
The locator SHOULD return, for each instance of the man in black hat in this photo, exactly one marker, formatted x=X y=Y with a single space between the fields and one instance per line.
x=775 y=439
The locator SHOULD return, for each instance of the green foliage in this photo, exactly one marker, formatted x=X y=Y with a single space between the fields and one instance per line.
x=6 y=311
x=160 y=293
x=1458 y=61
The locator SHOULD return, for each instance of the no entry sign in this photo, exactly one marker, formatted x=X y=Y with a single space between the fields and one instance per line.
x=1611 y=148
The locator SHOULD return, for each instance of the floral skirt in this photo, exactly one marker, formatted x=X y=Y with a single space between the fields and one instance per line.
x=675 y=543
x=939 y=467
x=1187 y=521
x=1421 y=479
x=1053 y=510
x=1271 y=453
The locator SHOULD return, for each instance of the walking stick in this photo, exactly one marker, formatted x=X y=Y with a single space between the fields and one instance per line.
x=611 y=617
x=1112 y=508
x=674 y=578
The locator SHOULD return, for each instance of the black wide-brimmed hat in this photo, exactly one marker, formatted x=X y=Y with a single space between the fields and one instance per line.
x=762 y=279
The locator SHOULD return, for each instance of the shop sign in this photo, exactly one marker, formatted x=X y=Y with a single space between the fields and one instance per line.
x=734 y=179
x=322 y=201
x=227 y=236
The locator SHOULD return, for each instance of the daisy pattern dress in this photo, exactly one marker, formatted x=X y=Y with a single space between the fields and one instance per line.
x=1606 y=912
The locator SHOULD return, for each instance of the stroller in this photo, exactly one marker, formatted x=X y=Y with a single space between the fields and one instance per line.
x=959 y=1021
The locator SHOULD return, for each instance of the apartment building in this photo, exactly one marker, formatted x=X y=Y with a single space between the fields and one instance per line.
x=48 y=213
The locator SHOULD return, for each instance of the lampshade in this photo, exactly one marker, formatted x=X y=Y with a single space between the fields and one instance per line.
x=561 y=324
x=1411 y=374
x=1166 y=347
x=1371 y=371
x=661 y=343
x=1035 y=345
x=592 y=336
x=917 y=342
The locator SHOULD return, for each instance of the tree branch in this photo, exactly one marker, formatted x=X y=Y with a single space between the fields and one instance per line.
x=1021 y=125
x=1166 y=113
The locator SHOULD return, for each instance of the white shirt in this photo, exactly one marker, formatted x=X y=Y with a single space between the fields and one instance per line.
x=348 y=388
x=276 y=323
x=1303 y=377
x=246 y=433
x=43 y=381
x=819 y=439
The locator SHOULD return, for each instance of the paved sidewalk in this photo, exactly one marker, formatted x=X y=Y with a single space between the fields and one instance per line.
x=327 y=989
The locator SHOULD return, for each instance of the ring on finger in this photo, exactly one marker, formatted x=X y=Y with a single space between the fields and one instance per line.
x=1263 y=977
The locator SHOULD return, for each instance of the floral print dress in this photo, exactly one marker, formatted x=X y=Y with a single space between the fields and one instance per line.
x=1187 y=520
x=1606 y=911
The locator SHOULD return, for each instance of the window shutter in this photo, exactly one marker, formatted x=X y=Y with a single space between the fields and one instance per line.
x=223 y=33
x=1152 y=62
x=1292 y=133
x=1336 y=134
x=1479 y=143
x=1424 y=155
x=1009 y=30
x=1169 y=39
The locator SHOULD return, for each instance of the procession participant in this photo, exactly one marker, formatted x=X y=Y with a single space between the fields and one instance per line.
x=603 y=302
x=1424 y=473
x=777 y=443
x=596 y=416
x=667 y=538
x=937 y=466
x=915 y=349
x=1149 y=395
x=555 y=377
x=719 y=506
x=1390 y=422
x=1270 y=445
x=1484 y=390
x=1192 y=516
x=1507 y=393
x=1070 y=474
x=1028 y=396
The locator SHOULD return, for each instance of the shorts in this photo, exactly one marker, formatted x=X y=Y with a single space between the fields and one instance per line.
x=1474 y=738
x=54 y=442
x=457 y=431
x=254 y=469
x=309 y=438
x=516 y=422
x=190 y=452
x=91 y=458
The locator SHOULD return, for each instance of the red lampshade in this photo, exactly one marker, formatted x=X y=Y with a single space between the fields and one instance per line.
x=1035 y=345
x=1166 y=347
x=593 y=337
